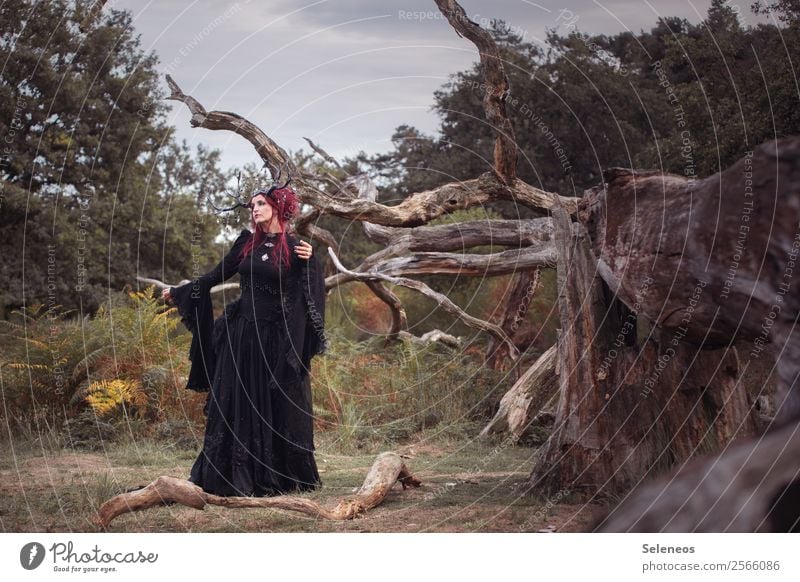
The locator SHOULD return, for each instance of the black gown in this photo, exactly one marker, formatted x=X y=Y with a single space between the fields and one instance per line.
x=255 y=358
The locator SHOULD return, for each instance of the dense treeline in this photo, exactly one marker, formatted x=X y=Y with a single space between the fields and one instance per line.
x=94 y=186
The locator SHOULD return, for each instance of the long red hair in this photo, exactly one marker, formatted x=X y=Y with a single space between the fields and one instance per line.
x=285 y=205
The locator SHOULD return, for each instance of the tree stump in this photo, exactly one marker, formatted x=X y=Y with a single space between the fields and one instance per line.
x=626 y=410
x=713 y=260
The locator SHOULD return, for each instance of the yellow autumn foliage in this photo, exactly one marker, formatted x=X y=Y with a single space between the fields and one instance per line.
x=106 y=396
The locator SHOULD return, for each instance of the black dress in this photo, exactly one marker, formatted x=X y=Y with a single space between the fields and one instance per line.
x=255 y=358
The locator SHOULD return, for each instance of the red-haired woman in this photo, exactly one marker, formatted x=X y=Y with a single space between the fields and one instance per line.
x=255 y=358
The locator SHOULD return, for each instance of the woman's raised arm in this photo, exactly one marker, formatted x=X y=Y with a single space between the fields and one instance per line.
x=228 y=265
x=223 y=271
x=193 y=301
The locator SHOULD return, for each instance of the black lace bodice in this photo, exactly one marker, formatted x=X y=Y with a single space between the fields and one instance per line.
x=264 y=283
x=293 y=297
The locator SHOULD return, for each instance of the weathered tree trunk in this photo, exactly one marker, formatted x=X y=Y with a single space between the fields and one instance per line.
x=387 y=470
x=627 y=410
x=713 y=260
x=710 y=262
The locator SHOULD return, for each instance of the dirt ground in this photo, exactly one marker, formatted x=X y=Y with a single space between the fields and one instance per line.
x=467 y=487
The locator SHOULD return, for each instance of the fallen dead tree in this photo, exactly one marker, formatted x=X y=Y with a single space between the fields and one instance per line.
x=387 y=470
x=674 y=257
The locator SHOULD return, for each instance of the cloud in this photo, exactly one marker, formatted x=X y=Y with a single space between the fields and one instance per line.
x=344 y=71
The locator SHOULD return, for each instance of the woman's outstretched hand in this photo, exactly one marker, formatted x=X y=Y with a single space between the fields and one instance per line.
x=165 y=295
x=304 y=250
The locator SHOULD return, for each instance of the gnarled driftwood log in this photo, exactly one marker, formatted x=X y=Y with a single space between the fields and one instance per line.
x=387 y=469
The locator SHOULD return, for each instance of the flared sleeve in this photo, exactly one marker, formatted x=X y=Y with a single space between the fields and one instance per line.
x=304 y=311
x=314 y=300
x=193 y=301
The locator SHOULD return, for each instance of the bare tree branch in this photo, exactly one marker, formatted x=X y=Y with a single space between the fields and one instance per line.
x=267 y=149
x=533 y=233
x=452 y=236
x=442 y=300
x=435 y=335
x=305 y=225
x=326 y=156
x=161 y=285
x=502 y=263
x=497 y=88
x=520 y=405
x=399 y=318
x=415 y=210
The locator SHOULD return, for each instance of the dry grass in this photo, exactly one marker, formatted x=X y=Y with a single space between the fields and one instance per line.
x=467 y=487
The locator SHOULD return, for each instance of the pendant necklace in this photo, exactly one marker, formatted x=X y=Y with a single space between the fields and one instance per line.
x=265 y=256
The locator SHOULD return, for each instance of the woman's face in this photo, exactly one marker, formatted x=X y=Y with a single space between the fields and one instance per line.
x=261 y=211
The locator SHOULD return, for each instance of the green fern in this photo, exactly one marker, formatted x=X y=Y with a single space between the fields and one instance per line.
x=50 y=359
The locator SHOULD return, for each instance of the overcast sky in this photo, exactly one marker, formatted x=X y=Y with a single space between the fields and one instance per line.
x=344 y=73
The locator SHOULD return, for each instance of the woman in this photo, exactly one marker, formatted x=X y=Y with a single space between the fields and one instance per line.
x=255 y=358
